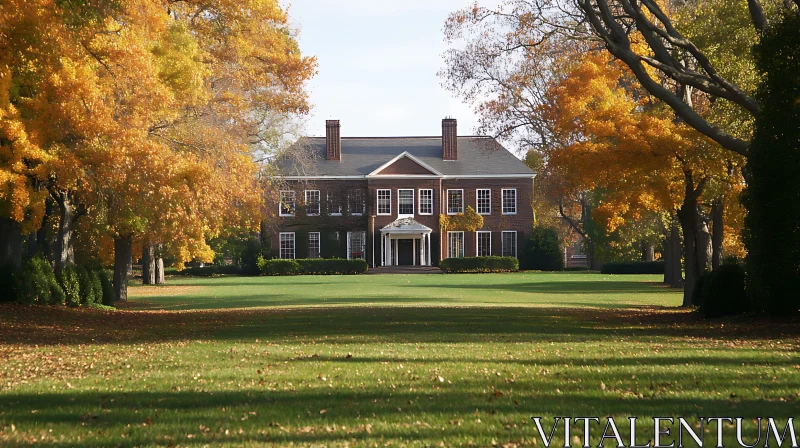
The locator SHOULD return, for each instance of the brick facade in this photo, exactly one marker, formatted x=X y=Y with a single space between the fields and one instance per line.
x=371 y=223
x=344 y=227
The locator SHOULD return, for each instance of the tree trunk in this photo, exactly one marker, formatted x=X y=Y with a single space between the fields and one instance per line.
x=717 y=232
x=703 y=241
x=673 y=275
x=159 y=267
x=65 y=253
x=648 y=251
x=10 y=243
x=123 y=247
x=148 y=264
x=687 y=215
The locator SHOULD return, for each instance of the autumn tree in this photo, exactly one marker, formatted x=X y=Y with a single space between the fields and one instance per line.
x=142 y=116
x=677 y=53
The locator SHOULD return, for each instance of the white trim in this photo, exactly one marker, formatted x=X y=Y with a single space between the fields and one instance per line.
x=378 y=202
x=417 y=176
x=413 y=203
x=435 y=172
x=502 y=201
x=447 y=201
x=319 y=202
x=477 y=201
x=516 y=243
x=294 y=245
x=477 y=243
x=280 y=203
x=419 y=201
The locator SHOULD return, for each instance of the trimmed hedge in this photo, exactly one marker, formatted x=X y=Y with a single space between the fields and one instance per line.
x=278 y=266
x=308 y=266
x=633 y=267
x=479 y=264
x=329 y=266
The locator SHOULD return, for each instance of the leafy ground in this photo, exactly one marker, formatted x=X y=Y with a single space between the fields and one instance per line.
x=466 y=360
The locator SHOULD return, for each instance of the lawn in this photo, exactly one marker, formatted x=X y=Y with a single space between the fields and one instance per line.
x=381 y=361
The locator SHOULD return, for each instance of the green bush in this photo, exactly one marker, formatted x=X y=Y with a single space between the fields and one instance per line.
x=10 y=285
x=85 y=286
x=95 y=288
x=38 y=284
x=278 y=266
x=106 y=286
x=327 y=266
x=724 y=292
x=306 y=266
x=543 y=251
x=479 y=264
x=633 y=267
x=211 y=271
x=68 y=279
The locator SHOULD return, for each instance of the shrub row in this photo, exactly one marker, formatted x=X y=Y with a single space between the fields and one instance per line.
x=211 y=270
x=633 y=267
x=38 y=284
x=479 y=264
x=306 y=266
x=722 y=292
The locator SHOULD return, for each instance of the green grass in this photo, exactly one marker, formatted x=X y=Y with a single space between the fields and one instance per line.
x=274 y=366
x=518 y=289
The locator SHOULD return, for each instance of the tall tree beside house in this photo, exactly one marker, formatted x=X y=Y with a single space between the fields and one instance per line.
x=694 y=57
x=142 y=116
x=626 y=144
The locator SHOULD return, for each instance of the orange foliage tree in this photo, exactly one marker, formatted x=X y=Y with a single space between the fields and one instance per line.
x=142 y=116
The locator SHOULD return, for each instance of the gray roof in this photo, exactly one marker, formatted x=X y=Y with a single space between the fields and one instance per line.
x=363 y=155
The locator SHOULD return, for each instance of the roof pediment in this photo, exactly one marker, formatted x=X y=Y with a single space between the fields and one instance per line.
x=405 y=164
x=405 y=225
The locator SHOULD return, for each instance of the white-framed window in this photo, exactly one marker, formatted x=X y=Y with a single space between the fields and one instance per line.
x=483 y=201
x=455 y=202
x=384 y=202
x=484 y=243
x=287 y=245
x=356 y=245
x=509 y=243
x=313 y=245
x=426 y=201
x=287 y=204
x=455 y=244
x=335 y=206
x=405 y=202
x=355 y=202
x=312 y=202
x=509 y=201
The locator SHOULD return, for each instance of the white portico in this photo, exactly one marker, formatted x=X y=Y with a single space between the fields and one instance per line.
x=406 y=242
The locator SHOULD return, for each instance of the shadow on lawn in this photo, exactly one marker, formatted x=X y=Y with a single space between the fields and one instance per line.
x=55 y=325
x=269 y=416
x=569 y=287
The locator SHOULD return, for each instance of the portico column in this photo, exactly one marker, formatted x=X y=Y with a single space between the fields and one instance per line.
x=428 y=251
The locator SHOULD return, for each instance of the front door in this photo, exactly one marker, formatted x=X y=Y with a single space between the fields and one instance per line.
x=405 y=252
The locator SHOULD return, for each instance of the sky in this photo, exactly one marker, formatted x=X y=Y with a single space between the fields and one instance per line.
x=378 y=61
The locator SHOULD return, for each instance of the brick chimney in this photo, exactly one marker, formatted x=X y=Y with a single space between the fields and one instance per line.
x=333 y=140
x=449 y=139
